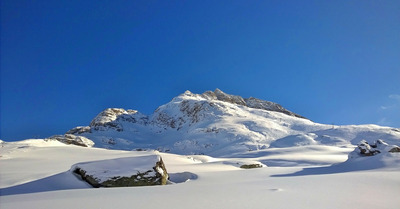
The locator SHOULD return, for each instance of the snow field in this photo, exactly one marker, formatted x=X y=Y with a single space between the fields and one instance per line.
x=37 y=175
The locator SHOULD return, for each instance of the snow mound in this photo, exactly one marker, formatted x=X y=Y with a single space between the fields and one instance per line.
x=379 y=156
x=35 y=143
x=376 y=156
x=295 y=140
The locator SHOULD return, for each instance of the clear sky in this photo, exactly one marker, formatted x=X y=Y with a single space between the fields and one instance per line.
x=64 y=61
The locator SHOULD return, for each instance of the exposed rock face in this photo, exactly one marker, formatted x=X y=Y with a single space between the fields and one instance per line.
x=267 y=105
x=366 y=149
x=112 y=118
x=123 y=172
x=379 y=146
x=73 y=139
x=220 y=95
x=249 y=102
x=80 y=130
x=394 y=149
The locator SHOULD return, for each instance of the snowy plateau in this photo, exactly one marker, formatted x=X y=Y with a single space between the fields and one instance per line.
x=205 y=141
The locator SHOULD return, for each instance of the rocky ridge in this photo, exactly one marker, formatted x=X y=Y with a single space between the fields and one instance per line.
x=251 y=102
x=113 y=118
x=248 y=102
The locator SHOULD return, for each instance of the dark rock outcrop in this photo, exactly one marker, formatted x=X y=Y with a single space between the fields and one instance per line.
x=80 y=130
x=123 y=172
x=267 y=105
x=249 y=166
x=366 y=149
x=112 y=118
x=394 y=149
x=379 y=146
x=72 y=139
x=249 y=102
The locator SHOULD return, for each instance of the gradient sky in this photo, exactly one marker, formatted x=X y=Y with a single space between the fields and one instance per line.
x=63 y=62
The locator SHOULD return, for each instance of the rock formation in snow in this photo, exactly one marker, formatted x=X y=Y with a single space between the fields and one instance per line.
x=73 y=139
x=249 y=102
x=111 y=118
x=365 y=149
x=123 y=172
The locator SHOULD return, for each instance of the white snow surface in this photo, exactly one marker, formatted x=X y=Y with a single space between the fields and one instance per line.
x=35 y=174
x=203 y=140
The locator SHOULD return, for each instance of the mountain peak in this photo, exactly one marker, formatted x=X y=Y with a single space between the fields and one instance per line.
x=218 y=91
x=188 y=93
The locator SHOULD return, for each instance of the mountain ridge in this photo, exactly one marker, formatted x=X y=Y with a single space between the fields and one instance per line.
x=219 y=124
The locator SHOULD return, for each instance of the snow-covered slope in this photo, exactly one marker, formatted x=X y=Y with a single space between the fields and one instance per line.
x=303 y=164
x=37 y=174
x=219 y=124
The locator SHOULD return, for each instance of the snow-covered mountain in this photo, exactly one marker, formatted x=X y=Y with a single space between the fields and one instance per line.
x=220 y=124
x=308 y=163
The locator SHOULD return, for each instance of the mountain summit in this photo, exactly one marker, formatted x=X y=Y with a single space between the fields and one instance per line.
x=219 y=124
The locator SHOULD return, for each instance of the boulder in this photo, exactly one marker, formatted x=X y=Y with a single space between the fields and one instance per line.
x=73 y=139
x=123 y=172
x=250 y=166
x=395 y=149
x=366 y=149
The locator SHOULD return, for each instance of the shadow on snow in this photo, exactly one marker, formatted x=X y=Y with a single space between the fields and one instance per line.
x=351 y=165
x=61 y=181
x=67 y=180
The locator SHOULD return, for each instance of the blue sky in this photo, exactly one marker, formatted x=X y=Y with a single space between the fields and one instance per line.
x=63 y=62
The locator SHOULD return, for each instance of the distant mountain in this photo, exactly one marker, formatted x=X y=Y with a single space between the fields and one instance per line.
x=219 y=124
